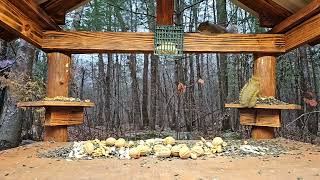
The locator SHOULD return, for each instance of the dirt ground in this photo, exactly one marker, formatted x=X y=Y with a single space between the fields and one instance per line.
x=23 y=163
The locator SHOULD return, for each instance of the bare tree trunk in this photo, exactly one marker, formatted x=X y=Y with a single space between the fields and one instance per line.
x=83 y=73
x=154 y=91
x=223 y=78
x=135 y=92
x=145 y=91
x=3 y=91
x=108 y=91
x=12 y=118
x=101 y=84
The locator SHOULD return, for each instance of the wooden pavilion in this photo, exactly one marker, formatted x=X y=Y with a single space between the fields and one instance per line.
x=293 y=23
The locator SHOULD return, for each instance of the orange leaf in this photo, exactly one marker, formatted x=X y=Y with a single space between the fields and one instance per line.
x=201 y=81
x=181 y=88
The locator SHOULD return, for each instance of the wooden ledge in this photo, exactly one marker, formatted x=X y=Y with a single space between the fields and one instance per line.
x=267 y=106
x=54 y=104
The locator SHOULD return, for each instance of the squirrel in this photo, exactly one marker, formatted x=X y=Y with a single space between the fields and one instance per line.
x=211 y=28
x=250 y=92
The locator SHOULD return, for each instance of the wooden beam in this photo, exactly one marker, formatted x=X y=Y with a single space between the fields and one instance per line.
x=58 y=74
x=93 y=42
x=58 y=85
x=36 y=13
x=265 y=70
x=292 y=5
x=261 y=132
x=17 y=23
x=57 y=9
x=270 y=13
x=62 y=116
x=303 y=14
x=305 y=33
x=165 y=10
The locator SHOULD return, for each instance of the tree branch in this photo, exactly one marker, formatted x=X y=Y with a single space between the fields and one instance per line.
x=116 y=6
x=301 y=117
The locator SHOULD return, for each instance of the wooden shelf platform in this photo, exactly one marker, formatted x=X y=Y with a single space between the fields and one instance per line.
x=54 y=104
x=60 y=113
x=267 y=106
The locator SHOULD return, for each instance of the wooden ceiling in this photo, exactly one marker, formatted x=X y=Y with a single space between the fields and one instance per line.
x=271 y=12
x=49 y=14
x=57 y=9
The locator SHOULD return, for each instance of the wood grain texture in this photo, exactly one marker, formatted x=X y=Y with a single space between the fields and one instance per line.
x=41 y=1
x=268 y=117
x=58 y=85
x=56 y=116
x=270 y=13
x=247 y=116
x=165 y=10
x=265 y=70
x=17 y=23
x=260 y=117
x=58 y=74
x=292 y=5
x=93 y=42
x=262 y=132
x=31 y=9
x=303 y=14
x=267 y=106
x=306 y=32
x=54 y=103
x=56 y=133
x=57 y=9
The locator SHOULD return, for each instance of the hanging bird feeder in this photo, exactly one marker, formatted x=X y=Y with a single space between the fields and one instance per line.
x=168 y=40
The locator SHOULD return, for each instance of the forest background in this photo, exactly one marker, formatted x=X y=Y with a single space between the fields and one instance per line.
x=136 y=94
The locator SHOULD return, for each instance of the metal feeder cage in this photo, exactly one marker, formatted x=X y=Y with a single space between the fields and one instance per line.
x=168 y=41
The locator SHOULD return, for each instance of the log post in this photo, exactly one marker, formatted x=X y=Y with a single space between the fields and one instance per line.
x=265 y=69
x=165 y=9
x=58 y=85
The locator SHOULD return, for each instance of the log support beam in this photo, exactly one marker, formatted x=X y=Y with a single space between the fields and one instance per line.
x=165 y=9
x=265 y=69
x=58 y=85
x=263 y=120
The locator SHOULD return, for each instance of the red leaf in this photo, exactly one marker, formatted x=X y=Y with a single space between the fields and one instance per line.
x=313 y=103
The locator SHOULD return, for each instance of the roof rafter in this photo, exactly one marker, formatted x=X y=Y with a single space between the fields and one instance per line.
x=307 y=32
x=270 y=13
x=36 y=13
x=57 y=9
x=303 y=14
x=17 y=23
